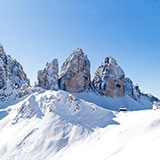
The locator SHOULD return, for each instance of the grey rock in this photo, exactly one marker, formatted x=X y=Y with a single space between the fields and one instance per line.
x=12 y=77
x=75 y=73
x=131 y=90
x=2 y=49
x=48 y=78
x=28 y=90
x=128 y=87
x=109 y=79
x=151 y=97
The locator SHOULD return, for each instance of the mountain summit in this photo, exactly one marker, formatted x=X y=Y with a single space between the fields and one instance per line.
x=75 y=73
x=109 y=79
x=48 y=78
x=12 y=77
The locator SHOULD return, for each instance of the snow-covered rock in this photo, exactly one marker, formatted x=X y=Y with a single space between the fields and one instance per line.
x=131 y=90
x=12 y=77
x=128 y=87
x=28 y=90
x=109 y=79
x=150 y=97
x=75 y=73
x=48 y=78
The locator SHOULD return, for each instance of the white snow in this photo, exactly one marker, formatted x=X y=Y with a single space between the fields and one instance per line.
x=116 y=103
x=136 y=137
x=55 y=125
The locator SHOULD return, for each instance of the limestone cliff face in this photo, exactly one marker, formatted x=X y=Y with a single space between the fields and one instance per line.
x=48 y=78
x=12 y=77
x=109 y=79
x=75 y=73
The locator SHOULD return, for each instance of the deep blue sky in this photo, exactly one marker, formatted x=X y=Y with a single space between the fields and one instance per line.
x=36 y=31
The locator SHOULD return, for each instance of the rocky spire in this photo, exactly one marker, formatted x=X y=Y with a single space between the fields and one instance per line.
x=48 y=78
x=12 y=77
x=1 y=49
x=109 y=78
x=75 y=73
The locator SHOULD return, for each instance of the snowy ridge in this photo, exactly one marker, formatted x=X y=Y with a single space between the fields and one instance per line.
x=48 y=121
x=63 y=104
x=57 y=125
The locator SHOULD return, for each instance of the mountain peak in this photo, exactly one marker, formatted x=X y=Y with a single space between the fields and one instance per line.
x=109 y=60
x=48 y=78
x=109 y=78
x=12 y=77
x=75 y=72
x=1 y=49
x=78 y=51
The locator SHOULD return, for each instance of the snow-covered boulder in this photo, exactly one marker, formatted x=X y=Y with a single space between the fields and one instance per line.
x=75 y=73
x=109 y=79
x=12 y=77
x=48 y=78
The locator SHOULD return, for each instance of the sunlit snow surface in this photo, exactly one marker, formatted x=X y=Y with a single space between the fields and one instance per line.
x=57 y=126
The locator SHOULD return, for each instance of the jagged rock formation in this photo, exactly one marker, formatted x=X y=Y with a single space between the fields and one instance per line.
x=131 y=90
x=12 y=77
x=48 y=78
x=134 y=91
x=75 y=73
x=109 y=79
x=128 y=87
x=151 y=97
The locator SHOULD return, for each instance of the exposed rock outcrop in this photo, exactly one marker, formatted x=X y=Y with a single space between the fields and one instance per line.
x=75 y=73
x=134 y=91
x=12 y=77
x=109 y=79
x=131 y=90
x=48 y=78
x=151 y=97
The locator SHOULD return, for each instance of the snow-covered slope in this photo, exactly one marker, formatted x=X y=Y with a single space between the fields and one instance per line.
x=47 y=122
x=54 y=125
x=135 y=138
x=116 y=103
